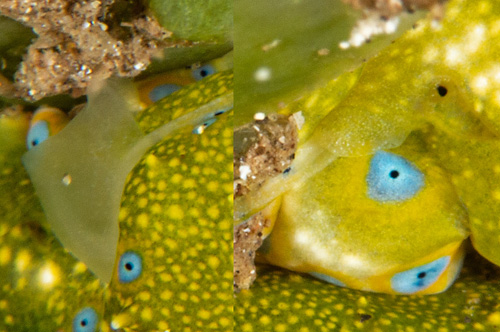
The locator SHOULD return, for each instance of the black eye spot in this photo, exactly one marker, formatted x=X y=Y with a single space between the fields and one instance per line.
x=203 y=73
x=421 y=275
x=129 y=266
x=34 y=142
x=394 y=174
x=84 y=322
x=442 y=90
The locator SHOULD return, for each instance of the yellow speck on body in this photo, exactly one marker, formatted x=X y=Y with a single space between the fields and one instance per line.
x=494 y=318
x=79 y=267
x=9 y=320
x=265 y=320
x=162 y=325
x=152 y=161
x=213 y=212
x=175 y=212
x=176 y=178
x=362 y=302
x=204 y=314
x=5 y=255
x=142 y=189
x=189 y=183
x=213 y=262
x=147 y=314
x=142 y=202
x=143 y=220
x=144 y=296
x=166 y=295
x=162 y=185
x=23 y=260
x=478 y=326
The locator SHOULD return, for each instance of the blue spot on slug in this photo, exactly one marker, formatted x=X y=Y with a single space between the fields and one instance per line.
x=38 y=133
x=162 y=91
x=419 y=278
x=203 y=71
x=85 y=320
x=129 y=267
x=392 y=178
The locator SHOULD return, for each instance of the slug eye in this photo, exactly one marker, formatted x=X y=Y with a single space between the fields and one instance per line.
x=162 y=91
x=419 y=278
x=38 y=133
x=85 y=320
x=203 y=72
x=442 y=90
x=129 y=267
x=392 y=178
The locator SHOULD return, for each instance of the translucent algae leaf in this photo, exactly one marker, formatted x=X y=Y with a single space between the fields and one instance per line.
x=81 y=192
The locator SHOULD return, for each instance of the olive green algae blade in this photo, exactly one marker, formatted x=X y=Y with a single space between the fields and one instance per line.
x=79 y=176
x=210 y=20
x=280 y=300
x=296 y=42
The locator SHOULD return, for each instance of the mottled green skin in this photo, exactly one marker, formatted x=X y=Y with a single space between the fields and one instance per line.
x=13 y=202
x=176 y=213
x=474 y=166
x=185 y=100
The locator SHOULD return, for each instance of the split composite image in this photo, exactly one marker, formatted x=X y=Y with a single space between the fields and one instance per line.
x=249 y=165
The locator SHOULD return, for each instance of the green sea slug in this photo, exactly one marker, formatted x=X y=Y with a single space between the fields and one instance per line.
x=424 y=114
x=423 y=79
x=142 y=202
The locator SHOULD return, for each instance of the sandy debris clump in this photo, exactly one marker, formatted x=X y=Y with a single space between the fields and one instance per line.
x=74 y=45
x=247 y=239
x=263 y=149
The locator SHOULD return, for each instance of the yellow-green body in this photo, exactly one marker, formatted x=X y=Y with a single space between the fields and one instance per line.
x=177 y=78
x=328 y=226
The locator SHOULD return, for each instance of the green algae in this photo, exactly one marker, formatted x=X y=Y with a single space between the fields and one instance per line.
x=298 y=30
x=194 y=20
